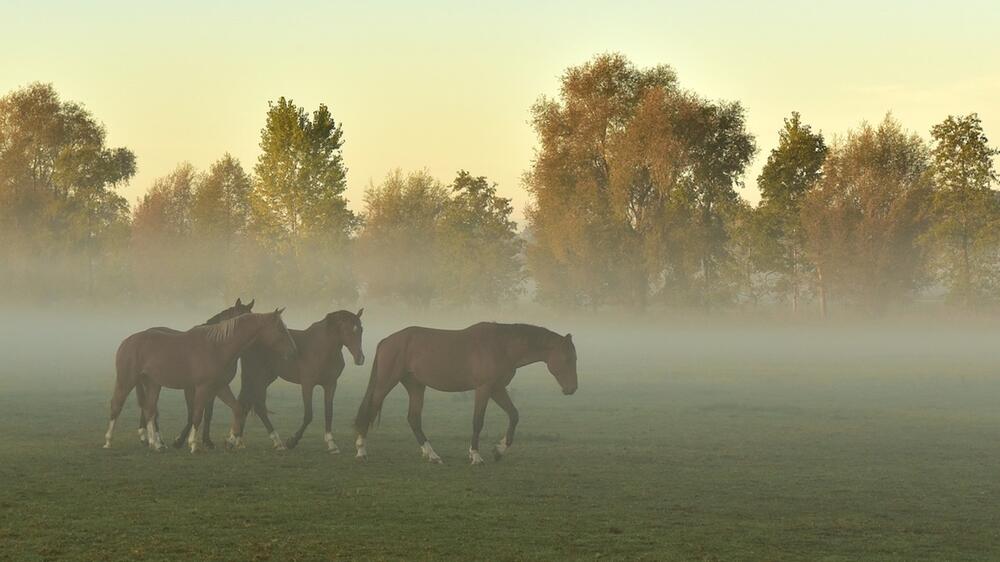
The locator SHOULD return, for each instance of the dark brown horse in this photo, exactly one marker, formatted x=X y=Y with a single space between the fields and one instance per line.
x=226 y=395
x=482 y=357
x=197 y=358
x=319 y=362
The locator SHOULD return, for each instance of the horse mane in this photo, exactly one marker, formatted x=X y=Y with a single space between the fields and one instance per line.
x=536 y=335
x=222 y=331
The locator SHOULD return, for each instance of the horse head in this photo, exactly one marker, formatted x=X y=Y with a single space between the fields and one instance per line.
x=561 y=361
x=345 y=326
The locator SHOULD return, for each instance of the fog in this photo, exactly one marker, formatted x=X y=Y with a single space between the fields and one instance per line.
x=62 y=346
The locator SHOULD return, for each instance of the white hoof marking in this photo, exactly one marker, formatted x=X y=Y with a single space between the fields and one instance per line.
x=474 y=457
x=275 y=439
x=108 y=434
x=331 y=447
x=428 y=453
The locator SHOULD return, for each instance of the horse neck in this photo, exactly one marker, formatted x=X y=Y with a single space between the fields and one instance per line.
x=244 y=334
x=528 y=344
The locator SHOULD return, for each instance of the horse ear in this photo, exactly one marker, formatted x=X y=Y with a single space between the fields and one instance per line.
x=250 y=304
x=360 y=311
x=569 y=338
x=279 y=310
x=238 y=302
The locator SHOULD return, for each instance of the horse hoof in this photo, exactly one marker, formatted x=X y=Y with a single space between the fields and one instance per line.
x=291 y=443
x=279 y=446
x=497 y=455
x=361 y=457
x=178 y=443
x=335 y=450
x=106 y=446
x=208 y=444
x=435 y=460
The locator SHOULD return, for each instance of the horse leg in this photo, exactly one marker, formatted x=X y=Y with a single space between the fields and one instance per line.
x=384 y=379
x=206 y=440
x=152 y=398
x=416 y=391
x=189 y=400
x=140 y=398
x=235 y=438
x=328 y=392
x=260 y=408
x=478 y=416
x=307 y=416
x=123 y=386
x=503 y=400
x=202 y=394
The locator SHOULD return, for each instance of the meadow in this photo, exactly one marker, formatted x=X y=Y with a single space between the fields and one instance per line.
x=686 y=444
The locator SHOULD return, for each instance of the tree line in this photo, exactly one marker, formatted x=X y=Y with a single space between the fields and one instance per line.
x=634 y=202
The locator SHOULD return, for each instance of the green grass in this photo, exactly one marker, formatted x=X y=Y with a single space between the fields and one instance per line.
x=742 y=459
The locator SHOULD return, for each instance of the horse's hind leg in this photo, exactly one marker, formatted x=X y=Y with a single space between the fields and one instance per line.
x=153 y=434
x=416 y=391
x=307 y=414
x=189 y=400
x=123 y=386
x=140 y=398
x=503 y=400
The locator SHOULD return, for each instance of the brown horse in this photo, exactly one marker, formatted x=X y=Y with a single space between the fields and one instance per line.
x=319 y=362
x=226 y=395
x=194 y=359
x=482 y=357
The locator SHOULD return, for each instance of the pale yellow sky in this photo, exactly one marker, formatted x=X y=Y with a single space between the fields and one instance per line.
x=448 y=85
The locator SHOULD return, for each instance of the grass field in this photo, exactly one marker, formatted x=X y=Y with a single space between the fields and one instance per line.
x=681 y=450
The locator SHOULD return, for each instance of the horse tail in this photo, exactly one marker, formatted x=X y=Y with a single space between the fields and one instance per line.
x=366 y=417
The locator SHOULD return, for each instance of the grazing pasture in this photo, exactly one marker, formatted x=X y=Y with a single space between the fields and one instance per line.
x=685 y=445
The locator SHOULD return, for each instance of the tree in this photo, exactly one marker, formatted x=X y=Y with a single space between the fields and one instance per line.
x=793 y=168
x=300 y=213
x=864 y=219
x=627 y=186
x=221 y=217
x=397 y=254
x=163 y=243
x=57 y=188
x=966 y=227
x=479 y=242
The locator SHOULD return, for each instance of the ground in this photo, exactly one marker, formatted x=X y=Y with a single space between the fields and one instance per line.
x=745 y=458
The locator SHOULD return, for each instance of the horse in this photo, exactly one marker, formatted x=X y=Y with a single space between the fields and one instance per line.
x=483 y=357
x=319 y=362
x=194 y=359
x=226 y=394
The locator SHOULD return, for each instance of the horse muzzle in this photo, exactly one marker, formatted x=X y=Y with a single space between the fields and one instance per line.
x=569 y=391
x=359 y=360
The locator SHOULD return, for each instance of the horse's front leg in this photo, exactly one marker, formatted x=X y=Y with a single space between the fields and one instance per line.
x=153 y=435
x=235 y=438
x=206 y=439
x=307 y=415
x=478 y=416
x=503 y=400
x=202 y=394
x=189 y=400
x=328 y=391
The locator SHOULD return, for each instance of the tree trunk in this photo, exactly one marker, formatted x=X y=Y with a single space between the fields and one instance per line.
x=822 y=292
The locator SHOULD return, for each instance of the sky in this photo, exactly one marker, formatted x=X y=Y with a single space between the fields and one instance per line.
x=448 y=85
